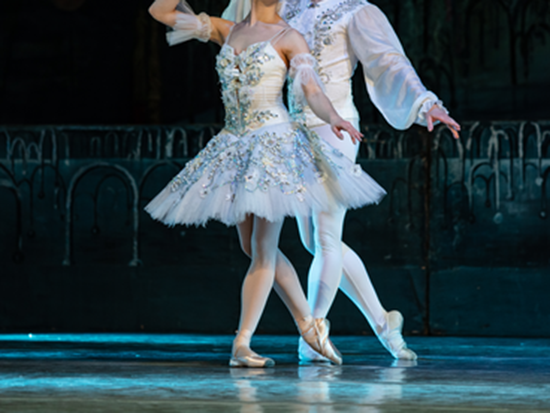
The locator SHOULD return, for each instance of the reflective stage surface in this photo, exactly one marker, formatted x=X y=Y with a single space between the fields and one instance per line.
x=176 y=373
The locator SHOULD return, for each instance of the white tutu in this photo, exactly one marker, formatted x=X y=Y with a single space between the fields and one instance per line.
x=273 y=172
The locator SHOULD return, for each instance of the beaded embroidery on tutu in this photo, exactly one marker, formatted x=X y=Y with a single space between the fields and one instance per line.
x=262 y=162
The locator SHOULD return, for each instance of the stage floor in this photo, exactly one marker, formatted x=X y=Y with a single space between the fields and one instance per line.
x=176 y=373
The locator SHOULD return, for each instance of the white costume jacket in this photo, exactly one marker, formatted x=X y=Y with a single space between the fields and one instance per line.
x=342 y=33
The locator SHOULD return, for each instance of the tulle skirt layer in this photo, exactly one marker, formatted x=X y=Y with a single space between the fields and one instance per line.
x=273 y=172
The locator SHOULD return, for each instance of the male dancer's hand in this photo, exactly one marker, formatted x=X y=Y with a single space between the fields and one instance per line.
x=438 y=114
x=340 y=124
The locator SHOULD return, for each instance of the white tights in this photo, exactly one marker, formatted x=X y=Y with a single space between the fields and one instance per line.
x=324 y=242
x=322 y=237
x=324 y=282
x=259 y=240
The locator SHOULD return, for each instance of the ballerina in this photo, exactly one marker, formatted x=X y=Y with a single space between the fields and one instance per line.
x=340 y=33
x=262 y=166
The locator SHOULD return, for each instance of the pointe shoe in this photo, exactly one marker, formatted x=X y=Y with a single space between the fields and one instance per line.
x=316 y=335
x=391 y=337
x=245 y=357
x=307 y=355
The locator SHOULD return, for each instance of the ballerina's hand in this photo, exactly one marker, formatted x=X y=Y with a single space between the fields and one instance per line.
x=438 y=114
x=342 y=125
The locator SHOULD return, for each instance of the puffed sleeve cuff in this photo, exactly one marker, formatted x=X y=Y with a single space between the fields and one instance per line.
x=190 y=26
x=426 y=106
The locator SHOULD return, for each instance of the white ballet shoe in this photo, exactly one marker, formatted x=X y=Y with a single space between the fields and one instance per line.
x=317 y=336
x=307 y=355
x=243 y=356
x=404 y=364
x=391 y=337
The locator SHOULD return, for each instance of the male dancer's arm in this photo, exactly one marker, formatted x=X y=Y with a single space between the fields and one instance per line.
x=186 y=24
x=392 y=83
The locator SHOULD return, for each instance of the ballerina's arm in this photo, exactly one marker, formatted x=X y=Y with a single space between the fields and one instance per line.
x=186 y=24
x=307 y=87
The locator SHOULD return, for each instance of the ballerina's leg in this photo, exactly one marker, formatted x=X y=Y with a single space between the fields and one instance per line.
x=315 y=332
x=261 y=237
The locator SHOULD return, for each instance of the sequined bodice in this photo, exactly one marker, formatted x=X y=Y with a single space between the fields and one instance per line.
x=252 y=84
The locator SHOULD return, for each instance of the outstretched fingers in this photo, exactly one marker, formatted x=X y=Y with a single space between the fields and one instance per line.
x=354 y=134
x=453 y=125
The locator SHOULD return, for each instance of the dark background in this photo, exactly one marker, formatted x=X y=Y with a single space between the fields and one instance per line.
x=460 y=244
x=105 y=62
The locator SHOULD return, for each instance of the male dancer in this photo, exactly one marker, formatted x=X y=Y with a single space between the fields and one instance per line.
x=340 y=33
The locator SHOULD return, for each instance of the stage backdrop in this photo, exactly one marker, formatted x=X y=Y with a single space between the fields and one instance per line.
x=460 y=244
x=104 y=61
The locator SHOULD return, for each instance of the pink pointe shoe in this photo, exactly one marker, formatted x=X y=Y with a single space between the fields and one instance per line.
x=243 y=356
x=316 y=335
x=307 y=355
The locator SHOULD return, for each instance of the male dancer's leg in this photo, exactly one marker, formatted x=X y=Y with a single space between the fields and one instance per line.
x=355 y=283
x=325 y=271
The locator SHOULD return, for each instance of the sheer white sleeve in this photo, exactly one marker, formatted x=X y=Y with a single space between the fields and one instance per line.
x=189 y=26
x=303 y=71
x=392 y=83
